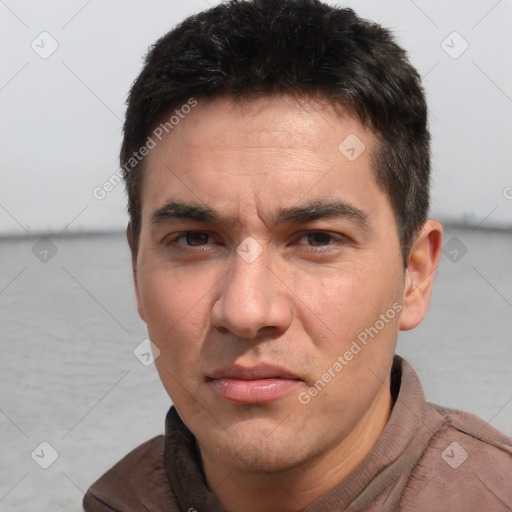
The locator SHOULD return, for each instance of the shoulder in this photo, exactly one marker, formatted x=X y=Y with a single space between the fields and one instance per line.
x=467 y=465
x=138 y=481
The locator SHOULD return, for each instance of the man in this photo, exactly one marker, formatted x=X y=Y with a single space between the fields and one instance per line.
x=276 y=157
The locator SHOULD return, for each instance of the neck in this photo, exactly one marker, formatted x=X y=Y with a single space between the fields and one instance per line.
x=294 y=489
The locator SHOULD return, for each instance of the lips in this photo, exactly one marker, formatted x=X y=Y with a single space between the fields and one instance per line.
x=252 y=385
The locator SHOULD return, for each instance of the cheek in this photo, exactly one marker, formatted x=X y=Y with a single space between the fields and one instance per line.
x=335 y=309
x=176 y=312
x=334 y=304
x=176 y=306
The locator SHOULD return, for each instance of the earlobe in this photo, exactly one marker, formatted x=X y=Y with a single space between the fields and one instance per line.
x=419 y=277
x=133 y=249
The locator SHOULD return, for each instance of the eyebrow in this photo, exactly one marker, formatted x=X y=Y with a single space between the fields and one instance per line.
x=184 y=211
x=316 y=210
x=313 y=210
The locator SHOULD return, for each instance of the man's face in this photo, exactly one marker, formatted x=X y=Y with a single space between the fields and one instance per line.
x=247 y=326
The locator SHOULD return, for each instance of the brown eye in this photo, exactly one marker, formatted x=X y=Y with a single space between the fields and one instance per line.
x=318 y=238
x=195 y=238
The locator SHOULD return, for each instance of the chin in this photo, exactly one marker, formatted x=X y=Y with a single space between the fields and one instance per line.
x=255 y=458
x=255 y=449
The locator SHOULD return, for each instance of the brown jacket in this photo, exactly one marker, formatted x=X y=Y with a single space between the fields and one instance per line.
x=428 y=458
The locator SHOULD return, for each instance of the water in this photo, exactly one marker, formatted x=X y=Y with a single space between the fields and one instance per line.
x=69 y=377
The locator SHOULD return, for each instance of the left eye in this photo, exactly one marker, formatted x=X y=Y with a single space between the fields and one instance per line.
x=317 y=238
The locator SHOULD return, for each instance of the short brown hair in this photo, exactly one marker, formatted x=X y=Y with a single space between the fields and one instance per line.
x=260 y=47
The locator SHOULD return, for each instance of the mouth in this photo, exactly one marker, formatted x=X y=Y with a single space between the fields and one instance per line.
x=252 y=385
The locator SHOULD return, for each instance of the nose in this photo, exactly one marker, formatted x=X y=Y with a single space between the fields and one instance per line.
x=252 y=300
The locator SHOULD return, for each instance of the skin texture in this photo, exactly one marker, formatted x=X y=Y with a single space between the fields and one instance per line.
x=300 y=304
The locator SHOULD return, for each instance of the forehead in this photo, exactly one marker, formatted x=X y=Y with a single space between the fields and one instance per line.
x=280 y=121
x=270 y=151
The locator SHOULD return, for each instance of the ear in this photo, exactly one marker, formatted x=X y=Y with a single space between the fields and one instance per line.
x=134 y=250
x=422 y=264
